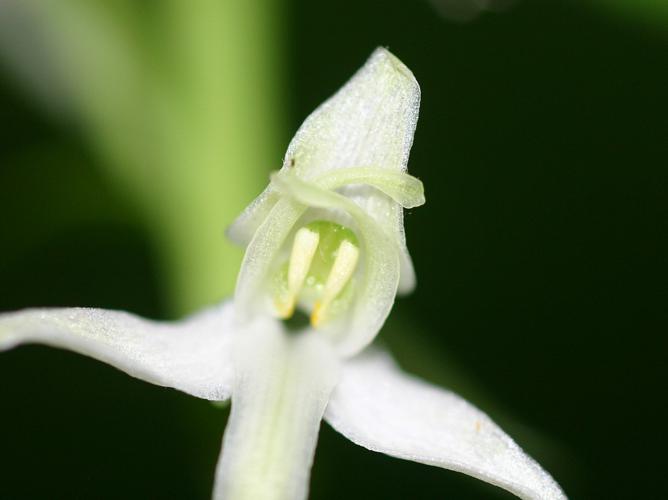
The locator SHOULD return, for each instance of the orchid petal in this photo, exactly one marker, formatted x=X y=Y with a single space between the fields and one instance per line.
x=369 y=121
x=192 y=356
x=380 y=408
x=405 y=189
x=249 y=295
x=281 y=387
x=401 y=187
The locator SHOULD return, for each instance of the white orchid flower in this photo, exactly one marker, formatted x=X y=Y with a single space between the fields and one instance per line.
x=326 y=237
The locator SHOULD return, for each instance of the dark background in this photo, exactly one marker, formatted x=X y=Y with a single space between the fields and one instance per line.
x=540 y=255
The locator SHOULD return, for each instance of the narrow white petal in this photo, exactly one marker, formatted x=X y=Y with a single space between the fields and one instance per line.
x=405 y=189
x=281 y=387
x=192 y=356
x=380 y=408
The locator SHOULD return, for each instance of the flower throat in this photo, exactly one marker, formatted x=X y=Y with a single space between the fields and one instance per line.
x=318 y=273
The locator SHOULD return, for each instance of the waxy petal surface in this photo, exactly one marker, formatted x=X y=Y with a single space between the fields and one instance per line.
x=192 y=355
x=381 y=408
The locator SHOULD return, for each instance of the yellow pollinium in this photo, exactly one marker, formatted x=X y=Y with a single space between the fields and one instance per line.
x=342 y=270
x=303 y=250
x=322 y=261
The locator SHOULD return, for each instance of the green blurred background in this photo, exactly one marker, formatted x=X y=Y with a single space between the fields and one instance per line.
x=132 y=133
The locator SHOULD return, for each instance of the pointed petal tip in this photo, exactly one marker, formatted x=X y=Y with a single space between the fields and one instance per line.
x=384 y=56
x=432 y=426
x=389 y=66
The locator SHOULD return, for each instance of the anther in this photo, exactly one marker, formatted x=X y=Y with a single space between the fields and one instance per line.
x=342 y=270
x=303 y=249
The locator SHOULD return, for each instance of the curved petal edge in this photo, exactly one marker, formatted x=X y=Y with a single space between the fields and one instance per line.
x=380 y=408
x=192 y=355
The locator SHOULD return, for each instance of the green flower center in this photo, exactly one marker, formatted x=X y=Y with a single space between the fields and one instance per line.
x=319 y=272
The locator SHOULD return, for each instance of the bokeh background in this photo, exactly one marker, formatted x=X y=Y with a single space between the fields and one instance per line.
x=132 y=132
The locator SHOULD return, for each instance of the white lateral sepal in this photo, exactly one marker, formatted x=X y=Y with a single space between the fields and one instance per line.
x=379 y=407
x=192 y=355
